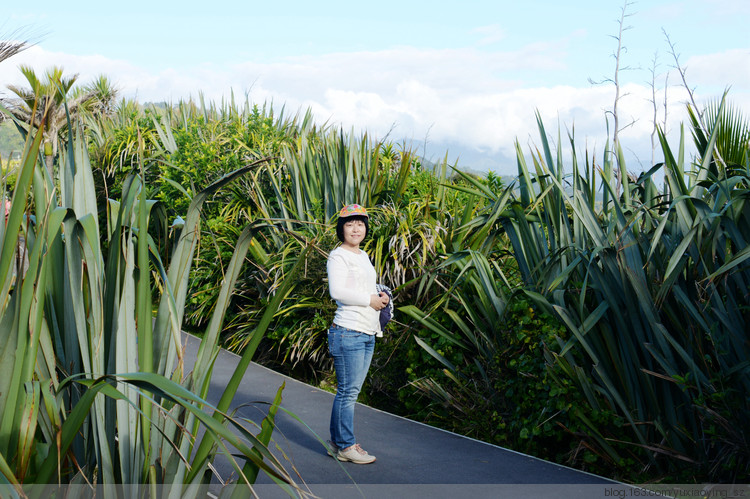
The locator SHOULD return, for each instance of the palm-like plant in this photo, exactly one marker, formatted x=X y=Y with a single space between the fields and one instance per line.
x=732 y=140
x=49 y=100
x=41 y=106
x=12 y=45
x=99 y=96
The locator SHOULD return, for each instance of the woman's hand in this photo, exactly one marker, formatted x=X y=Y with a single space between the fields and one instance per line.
x=379 y=301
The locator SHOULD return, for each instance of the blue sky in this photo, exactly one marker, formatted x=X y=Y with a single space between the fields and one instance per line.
x=462 y=78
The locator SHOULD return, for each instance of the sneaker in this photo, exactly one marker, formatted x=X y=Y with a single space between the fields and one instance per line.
x=355 y=454
x=332 y=449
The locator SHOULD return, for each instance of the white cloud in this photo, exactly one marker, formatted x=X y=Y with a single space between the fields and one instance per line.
x=715 y=72
x=465 y=97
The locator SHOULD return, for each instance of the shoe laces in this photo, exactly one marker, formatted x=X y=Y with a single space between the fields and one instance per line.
x=360 y=449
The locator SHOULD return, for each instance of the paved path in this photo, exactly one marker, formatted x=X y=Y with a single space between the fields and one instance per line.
x=413 y=459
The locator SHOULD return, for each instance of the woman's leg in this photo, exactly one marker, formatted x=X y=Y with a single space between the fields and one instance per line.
x=352 y=353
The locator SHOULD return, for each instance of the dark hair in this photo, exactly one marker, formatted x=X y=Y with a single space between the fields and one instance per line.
x=341 y=221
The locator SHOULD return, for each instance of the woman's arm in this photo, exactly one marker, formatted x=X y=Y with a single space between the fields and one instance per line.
x=338 y=274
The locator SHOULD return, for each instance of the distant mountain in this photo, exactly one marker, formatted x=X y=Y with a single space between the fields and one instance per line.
x=467 y=158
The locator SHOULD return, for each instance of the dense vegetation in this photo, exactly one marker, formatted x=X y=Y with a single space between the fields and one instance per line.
x=580 y=314
x=548 y=322
x=92 y=384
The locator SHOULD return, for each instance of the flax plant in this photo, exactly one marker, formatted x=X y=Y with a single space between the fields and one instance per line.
x=319 y=172
x=324 y=172
x=475 y=307
x=93 y=388
x=653 y=286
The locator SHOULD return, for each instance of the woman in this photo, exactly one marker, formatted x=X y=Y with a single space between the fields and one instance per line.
x=351 y=338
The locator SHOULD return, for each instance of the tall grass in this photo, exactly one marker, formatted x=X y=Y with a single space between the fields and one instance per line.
x=93 y=388
x=653 y=285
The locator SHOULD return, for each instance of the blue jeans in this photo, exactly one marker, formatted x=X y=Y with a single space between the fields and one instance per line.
x=352 y=353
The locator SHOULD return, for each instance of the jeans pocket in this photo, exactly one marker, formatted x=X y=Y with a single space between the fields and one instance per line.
x=331 y=340
x=335 y=338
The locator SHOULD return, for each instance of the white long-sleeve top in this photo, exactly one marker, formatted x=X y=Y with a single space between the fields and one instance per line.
x=351 y=282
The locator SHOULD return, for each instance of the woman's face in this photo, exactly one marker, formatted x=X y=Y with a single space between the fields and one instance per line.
x=354 y=233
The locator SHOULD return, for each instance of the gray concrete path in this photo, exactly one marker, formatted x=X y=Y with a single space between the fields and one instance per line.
x=413 y=459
